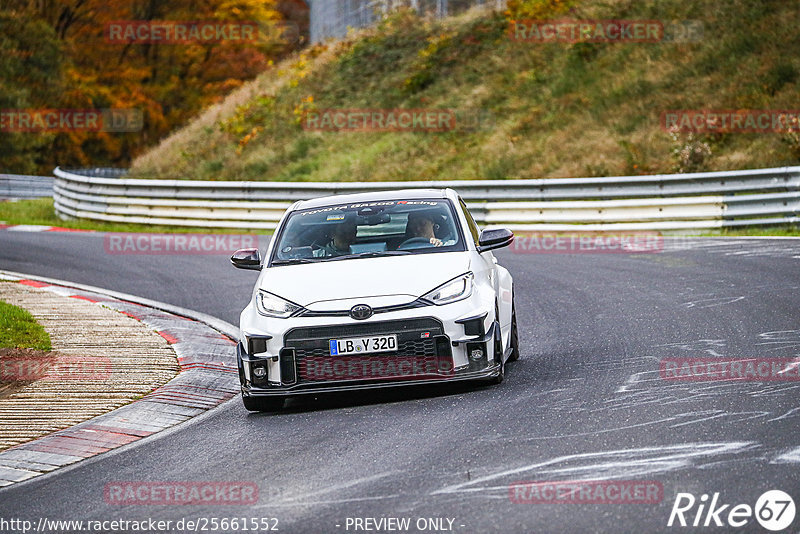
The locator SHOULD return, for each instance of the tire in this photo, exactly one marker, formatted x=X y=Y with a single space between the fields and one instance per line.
x=514 y=334
x=263 y=404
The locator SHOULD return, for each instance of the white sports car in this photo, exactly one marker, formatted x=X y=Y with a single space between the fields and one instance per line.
x=374 y=290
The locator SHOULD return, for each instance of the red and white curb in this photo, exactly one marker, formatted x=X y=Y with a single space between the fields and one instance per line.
x=207 y=378
x=37 y=228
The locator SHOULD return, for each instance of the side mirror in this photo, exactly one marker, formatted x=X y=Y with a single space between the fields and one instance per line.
x=247 y=258
x=495 y=238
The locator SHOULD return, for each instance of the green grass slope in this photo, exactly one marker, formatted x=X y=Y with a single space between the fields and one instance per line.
x=18 y=329
x=547 y=110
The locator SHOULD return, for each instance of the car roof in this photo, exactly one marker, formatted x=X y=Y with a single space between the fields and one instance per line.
x=372 y=196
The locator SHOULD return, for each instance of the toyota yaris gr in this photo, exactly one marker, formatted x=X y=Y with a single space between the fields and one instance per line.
x=375 y=290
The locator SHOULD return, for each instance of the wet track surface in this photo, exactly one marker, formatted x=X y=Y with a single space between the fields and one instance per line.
x=585 y=401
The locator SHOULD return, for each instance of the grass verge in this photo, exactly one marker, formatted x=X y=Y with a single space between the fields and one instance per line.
x=757 y=231
x=41 y=212
x=19 y=330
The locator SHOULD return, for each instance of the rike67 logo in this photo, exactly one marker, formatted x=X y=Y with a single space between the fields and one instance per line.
x=774 y=510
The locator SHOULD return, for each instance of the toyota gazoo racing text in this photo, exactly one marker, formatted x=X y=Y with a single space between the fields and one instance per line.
x=375 y=290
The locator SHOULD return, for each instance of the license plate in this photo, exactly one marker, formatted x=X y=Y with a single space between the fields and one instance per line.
x=363 y=345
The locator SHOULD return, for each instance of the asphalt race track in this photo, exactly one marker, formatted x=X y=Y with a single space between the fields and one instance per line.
x=585 y=401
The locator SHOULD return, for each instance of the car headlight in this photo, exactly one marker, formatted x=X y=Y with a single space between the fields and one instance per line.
x=274 y=306
x=456 y=289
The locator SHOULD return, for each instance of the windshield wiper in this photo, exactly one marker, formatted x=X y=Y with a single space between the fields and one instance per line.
x=294 y=261
x=371 y=254
x=385 y=253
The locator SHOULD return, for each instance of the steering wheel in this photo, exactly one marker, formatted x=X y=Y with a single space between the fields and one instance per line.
x=316 y=244
x=415 y=242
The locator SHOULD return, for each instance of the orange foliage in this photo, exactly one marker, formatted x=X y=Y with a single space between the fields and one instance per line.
x=75 y=65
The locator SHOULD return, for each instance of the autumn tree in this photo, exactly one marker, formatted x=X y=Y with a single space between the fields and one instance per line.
x=56 y=54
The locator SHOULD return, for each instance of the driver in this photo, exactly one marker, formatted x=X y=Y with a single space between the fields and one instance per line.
x=344 y=235
x=422 y=225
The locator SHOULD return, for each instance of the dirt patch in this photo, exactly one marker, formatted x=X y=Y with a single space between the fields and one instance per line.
x=22 y=367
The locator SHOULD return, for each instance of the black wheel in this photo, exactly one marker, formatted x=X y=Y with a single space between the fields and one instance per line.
x=498 y=357
x=514 y=334
x=263 y=404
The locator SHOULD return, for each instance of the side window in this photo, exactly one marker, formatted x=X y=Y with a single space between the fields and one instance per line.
x=473 y=228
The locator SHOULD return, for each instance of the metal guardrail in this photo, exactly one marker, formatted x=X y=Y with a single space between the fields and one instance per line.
x=15 y=186
x=662 y=202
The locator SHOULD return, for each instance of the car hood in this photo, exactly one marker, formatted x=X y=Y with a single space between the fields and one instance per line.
x=395 y=279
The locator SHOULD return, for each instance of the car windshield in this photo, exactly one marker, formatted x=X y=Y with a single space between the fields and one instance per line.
x=366 y=229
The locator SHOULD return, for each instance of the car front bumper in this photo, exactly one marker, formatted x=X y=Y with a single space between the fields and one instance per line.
x=492 y=370
x=437 y=344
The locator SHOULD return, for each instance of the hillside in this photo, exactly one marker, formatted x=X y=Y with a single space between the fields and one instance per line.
x=544 y=110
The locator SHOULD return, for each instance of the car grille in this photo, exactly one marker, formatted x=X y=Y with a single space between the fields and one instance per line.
x=423 y=351
x=408 y=348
